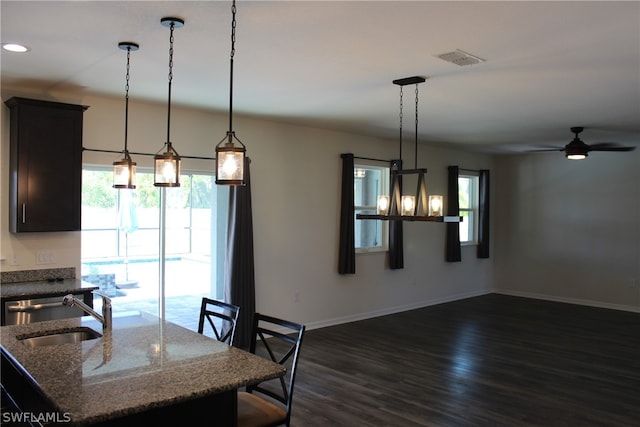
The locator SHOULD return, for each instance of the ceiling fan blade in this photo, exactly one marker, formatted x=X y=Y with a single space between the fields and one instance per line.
x=607 y=146
x=538 y=150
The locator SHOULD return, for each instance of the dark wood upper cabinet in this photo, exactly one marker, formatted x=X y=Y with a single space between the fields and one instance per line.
x=45 y=165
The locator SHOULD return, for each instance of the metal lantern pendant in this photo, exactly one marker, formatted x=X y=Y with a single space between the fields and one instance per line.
x=230 y=158
x=124 y=170
x=167 y=164
x=167 y=168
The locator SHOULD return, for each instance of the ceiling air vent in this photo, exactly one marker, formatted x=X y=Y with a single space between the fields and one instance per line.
x=460 y=57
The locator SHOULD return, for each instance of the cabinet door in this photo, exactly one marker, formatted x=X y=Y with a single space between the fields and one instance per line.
x=46 y=165
x=21 y=393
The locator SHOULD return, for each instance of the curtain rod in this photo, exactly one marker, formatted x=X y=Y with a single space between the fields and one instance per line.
x=389 y=161
x=372 y=159
x=143 y=154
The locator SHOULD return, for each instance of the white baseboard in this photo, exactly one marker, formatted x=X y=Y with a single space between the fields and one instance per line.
x=422 y=304
x=568 y=300
x=392 y=310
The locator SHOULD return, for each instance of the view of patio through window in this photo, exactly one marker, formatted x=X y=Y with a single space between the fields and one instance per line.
x=120 y=242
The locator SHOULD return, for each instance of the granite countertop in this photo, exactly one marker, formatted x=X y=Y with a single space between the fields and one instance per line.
x=142 y=363
x=44 y=288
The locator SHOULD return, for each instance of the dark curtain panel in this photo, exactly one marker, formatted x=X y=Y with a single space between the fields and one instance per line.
x=347 y=250
x=453 y=252
x=396 y=243
x=239 y=278
x=483 y=214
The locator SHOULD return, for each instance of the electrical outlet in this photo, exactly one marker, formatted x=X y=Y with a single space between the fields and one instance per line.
x=296 y=296
x=13 y=259
x=45 y=257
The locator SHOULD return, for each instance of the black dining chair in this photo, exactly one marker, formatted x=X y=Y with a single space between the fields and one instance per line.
x=222 y=318
x=269 y=402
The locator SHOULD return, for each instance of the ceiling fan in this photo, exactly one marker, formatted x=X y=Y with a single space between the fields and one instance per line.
x=578 y=150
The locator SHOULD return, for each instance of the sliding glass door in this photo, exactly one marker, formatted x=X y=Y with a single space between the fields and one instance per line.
x=121 y=237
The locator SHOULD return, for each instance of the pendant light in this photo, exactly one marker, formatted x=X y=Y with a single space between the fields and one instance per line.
x=230 y=158
x=416 y=207
x=124 y=171
x=167 y=164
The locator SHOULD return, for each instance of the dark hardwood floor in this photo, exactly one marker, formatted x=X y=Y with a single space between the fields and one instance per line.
x=492 y=360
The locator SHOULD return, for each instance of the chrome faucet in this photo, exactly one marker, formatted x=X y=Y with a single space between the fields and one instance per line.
x=70 y=301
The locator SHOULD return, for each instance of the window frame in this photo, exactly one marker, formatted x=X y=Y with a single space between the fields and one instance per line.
x=383 y=188
x=473 y=210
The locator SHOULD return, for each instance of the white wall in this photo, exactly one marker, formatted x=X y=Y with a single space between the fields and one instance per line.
x=296 y=194
x=569 y=230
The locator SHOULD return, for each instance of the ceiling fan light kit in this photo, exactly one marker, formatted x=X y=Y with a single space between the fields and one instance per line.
x=578 y=150
x=398 y=207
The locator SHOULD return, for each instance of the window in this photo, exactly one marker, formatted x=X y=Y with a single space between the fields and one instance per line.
x=370 y=182
x=468 y=201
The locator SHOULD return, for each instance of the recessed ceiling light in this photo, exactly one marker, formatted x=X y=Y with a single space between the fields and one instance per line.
x=13 y=47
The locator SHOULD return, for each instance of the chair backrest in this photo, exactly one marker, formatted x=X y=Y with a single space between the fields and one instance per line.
x=221 y=316
x=278 y=340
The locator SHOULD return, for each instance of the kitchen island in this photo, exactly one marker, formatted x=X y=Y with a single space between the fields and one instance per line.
x=142 y=371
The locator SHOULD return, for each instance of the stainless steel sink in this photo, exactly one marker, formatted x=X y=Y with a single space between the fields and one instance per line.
x=66 y=336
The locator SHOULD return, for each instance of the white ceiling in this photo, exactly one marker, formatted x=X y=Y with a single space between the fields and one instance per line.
x=549 y=65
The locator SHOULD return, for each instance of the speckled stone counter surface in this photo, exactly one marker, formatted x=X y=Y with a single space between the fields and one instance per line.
x=43 y=288
x=37 y=275
x=142 y=363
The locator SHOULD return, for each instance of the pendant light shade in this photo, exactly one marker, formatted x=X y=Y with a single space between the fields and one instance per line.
x=167 y=160
x=166 y=167
x=436 y=205
x=230 y=158
x=230 y=161
x=124 y=170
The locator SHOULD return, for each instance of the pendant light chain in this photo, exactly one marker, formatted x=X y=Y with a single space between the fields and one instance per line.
x=416 y=143
x=232 y=54
x=126 y=103
x=401 y=124
x=172 y=25
x=233 y=28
